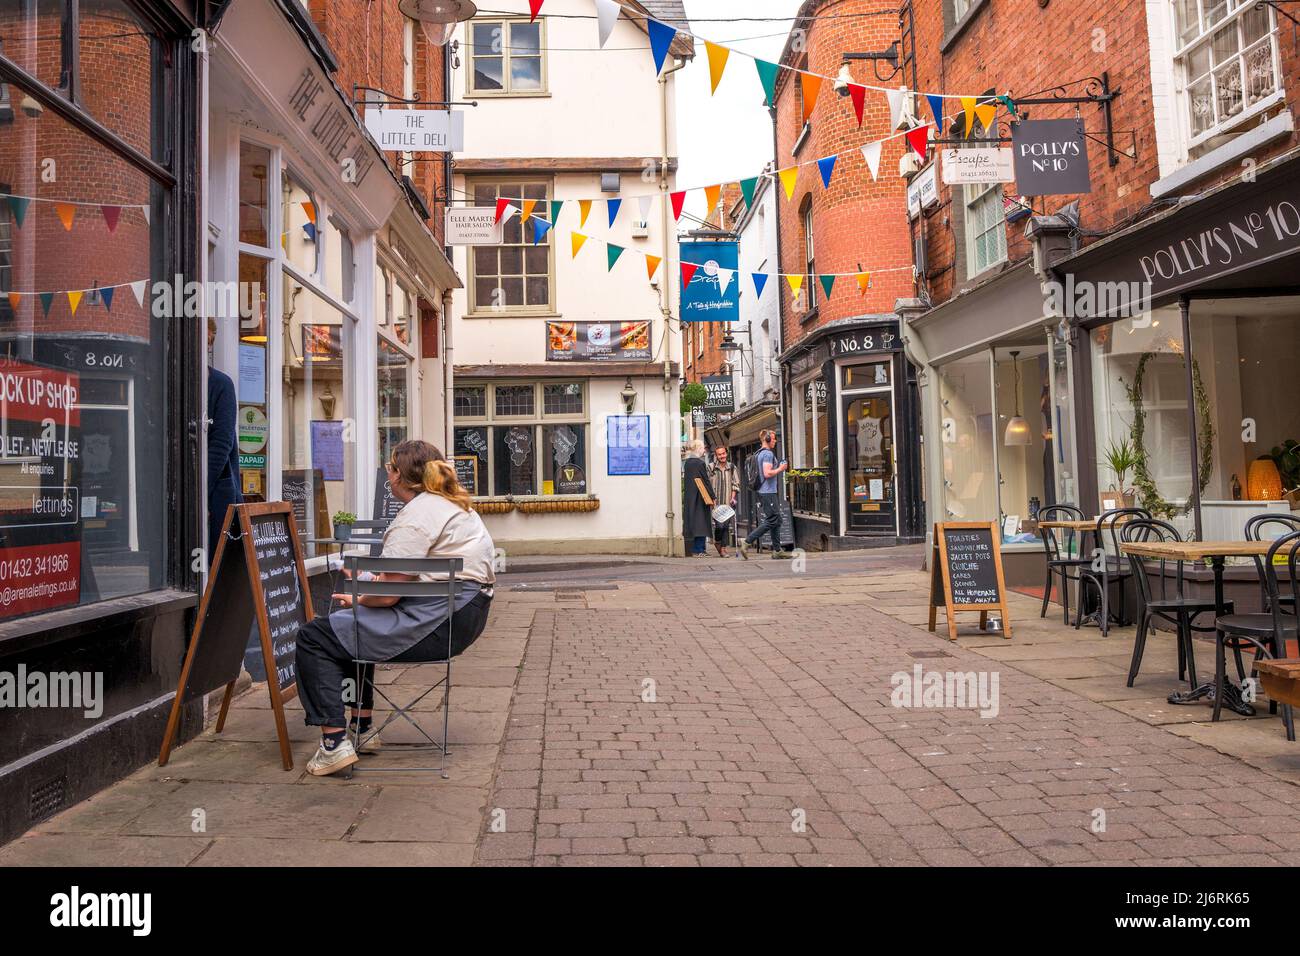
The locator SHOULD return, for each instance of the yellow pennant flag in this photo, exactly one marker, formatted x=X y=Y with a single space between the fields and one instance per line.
x=711 y=196
x=811 y=84
x=864 y=282
x=584 y=207
x=796 y=283
x=651 y=265
x=986 y=115
x=74 y=300
x=968 y=106
x=576 y=239
x=788 y=178
x=717 y=62
x=66 y=212
x=529 y=206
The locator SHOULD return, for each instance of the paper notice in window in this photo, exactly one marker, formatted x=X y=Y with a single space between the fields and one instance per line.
x=877 y=489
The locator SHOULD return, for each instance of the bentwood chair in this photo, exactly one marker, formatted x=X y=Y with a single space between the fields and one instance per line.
x=1062 y=553
x=1257 y=529
x=372 y=533
x=1167 y=602
x=1265 y=633
x=1108 y=564
x=443 y=586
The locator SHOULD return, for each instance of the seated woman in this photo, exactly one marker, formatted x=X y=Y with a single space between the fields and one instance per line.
x=436 y=521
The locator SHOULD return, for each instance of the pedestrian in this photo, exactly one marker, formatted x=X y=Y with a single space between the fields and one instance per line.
x=697 y=519
x=223 y=449
x=769 y=508
x=725 y=481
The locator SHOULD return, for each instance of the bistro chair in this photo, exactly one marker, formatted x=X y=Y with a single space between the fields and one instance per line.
x=1112 y=566
x=1062 y=555
x=443 y=587
x=1168 y=602
x=1265 y=633
x=1283 y=524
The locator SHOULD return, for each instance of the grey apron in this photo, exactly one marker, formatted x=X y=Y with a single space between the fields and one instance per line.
x=387 y=631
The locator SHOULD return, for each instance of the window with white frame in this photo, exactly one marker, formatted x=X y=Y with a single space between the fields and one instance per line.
x=515 y=274
x=986 y=228
x=810 y=260
x=517 y=436
x=506 y=56
x=1226 y=62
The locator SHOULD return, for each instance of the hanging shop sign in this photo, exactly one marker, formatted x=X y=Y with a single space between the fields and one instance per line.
x=473 y=226
x=417 y=131
x=963 y=167
x=873 y=338
x=710 y=294
x=598 y=341
x=1051 y=157
x=720 y=392
x=922 y=192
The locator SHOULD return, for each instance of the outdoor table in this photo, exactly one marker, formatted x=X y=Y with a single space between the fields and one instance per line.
x=1217 y=552
x=1084 y=526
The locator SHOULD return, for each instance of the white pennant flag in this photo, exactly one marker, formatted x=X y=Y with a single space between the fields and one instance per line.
x=148 y=221
x=895 y=98
x=871 y=153
x=644 y=203
x=137 y=290
x=724 y=280
x=606 y=14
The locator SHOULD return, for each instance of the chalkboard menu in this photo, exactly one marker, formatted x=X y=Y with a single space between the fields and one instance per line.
x=467 y=472
x=386 y=503
x=305 y=491
x=966 y=573
x=257 y=579
x=787 y=524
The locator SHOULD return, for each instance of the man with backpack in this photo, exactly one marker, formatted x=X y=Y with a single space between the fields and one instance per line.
x=764 y=481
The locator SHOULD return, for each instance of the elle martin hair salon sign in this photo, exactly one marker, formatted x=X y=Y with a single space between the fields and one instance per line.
x=1051 y=157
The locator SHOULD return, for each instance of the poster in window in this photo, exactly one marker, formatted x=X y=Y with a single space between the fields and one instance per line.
x=628 y=440
x=327 y=449
x=322 y=345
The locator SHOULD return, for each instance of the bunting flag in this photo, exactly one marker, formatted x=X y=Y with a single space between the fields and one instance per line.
x=111 y=215
x=724 y=280
x=895 y=98
x=828 y=283
x=936 y=107
x=767 y=76
x=527 y=212
x=858 y=94
x=556 y=206
x=612 y=252
x=309 y=230
x=651 y=266
x=919 y=140
x=760 y=283
x=14 y=299
x=148 y=215
x=826 y=167
x=47 y=299
x=612 y=206
x=747 y=187
x=864 y=282
x=968 y=107
x=796 y=283
x=661 y=38
x=678 y=199
x=66 y=213
x=502 y=206
x=810 y=84
x=871 y=153
x=310 y=209
x=534 y=8
x=584 y=208
x=643 y=205
x=107 y=296
x=986 y=115
x=74 y=300
x=137 y=290
x=1005 y=100
x=688 y=273
x=576 y=239
x=788 y=179
x=711 y=196
x=540 y=228
x=607 y=12
x=717 y=62
x=18 y=208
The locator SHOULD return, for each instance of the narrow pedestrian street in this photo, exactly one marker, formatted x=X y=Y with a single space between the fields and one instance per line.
x=720 y=712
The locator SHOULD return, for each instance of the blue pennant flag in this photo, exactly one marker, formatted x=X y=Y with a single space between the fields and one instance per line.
x=826 y=167
x=661 y=38
x=107 y=296
x=936 y=107
x=18 y=206
x=613 y=205
x=310 y=229
x=540 y=228
x=760 y=283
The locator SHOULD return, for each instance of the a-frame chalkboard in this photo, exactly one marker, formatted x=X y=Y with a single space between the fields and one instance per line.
x=257 y=578
x=966 y=573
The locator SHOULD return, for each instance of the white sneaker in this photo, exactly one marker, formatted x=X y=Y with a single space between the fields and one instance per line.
x=326 y=762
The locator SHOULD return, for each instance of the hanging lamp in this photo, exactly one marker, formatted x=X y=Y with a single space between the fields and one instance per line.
x=1017 y=432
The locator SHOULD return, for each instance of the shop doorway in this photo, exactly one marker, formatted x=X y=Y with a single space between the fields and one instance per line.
x=869 y=462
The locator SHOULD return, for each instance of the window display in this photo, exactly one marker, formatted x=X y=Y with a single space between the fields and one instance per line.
x=514 y=451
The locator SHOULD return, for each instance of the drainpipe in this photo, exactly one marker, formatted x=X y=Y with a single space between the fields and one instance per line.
x=782 y=378
x=671 y=413
x=447 y=374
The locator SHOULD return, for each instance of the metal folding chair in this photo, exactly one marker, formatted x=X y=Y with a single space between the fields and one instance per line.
x=418 y=588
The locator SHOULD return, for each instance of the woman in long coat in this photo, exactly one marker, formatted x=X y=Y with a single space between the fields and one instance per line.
x=697 y=520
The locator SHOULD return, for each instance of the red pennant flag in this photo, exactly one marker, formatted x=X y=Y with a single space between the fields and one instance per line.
x=688 y=273
x=919 y=139
x=536 y=7
x=678 y=198
x=501 y=208
x=111 y=214
x=858 y=94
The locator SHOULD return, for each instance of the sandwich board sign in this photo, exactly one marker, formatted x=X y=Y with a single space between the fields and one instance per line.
x=966 y=573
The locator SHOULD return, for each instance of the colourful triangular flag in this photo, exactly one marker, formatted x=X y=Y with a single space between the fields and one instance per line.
x=651 y=265
x=643 y=206
x=788 y=179
x=534 y=8
x=18 y=208
x=919 y=139
x=527 y=212
x=987 y=115
x=747 y=187
x=936 y=107
x=310 y=209
x=74 y=300
x=828 y=283
x=107 y=296
x=556 y=206
x=148 y=215
x=111 y=215
x=540 y=228
x=724 y=279
x=767 y=76
x=688 y=273
x=576 y=239
x=606 y=15
x=826 y=167
x=760 y=283
x=612 y=206
x=137 y=289
x=895 y=98
x=14 y=299
x=661 y=38
x=858 y=94
x=968 y=107
x=717 y=62
x=871 y=153
x=711 y=196
x=864 y=282
x=47 y=299
x=66 y=213
x=612 y=252
x=678 y=199
x=584 y=208
x=796 y=283
x=502 y=206
x=811 y=85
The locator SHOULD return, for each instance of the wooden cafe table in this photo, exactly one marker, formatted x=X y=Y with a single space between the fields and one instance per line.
x=1217 y=552
x=1085 y=527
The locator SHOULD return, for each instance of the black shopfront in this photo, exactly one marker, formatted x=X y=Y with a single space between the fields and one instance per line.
x=100 y=430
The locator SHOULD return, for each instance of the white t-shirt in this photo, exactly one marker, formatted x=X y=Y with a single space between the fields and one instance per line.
x=430 y=526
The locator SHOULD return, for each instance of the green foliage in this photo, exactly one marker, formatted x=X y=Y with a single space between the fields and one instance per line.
x=1122 y=458
x=693 y=396
x=1148 y=493
x=344 y=517
x=1287 y=458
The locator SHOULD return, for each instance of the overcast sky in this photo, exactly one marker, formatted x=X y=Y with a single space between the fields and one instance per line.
x=728 y=136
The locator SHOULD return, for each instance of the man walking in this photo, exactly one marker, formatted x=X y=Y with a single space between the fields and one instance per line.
x=726 y=488
x=768 y=501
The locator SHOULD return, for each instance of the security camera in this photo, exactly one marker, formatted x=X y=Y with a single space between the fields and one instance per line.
x=842 y=80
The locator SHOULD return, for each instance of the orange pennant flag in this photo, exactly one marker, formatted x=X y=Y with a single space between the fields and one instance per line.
x=14 y=299
x=717 y=62
x=584 y=207
x=788 y=178
x=310 y=209
x=529 y=206
x=652 y=266
x=968 y=107
x=986 y=115
x=66 y=213
x=711 y=196
x=576 y=239
x=74 y=300
x=864 y=282
x=796 y=283
x=811 y=84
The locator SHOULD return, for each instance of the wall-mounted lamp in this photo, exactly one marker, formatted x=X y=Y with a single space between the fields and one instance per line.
x=629 y=396
x=438 y=18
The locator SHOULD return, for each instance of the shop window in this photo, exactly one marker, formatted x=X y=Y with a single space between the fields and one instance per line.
x=300 y=241
x=394 y=368
x=506 y=56
x=383 y=296
x=986 y=229
x=516 y=451
x=810 y=409
x=403 y=310
x=251 y=379
x=1226 y=62
x=966 y=425
x=515 y=275
x=254 y=161
x=339 y=263
x=808 y=294
x=1028 y=463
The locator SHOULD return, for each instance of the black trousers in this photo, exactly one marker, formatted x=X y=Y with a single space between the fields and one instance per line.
x=769 y=509
x=324 y=663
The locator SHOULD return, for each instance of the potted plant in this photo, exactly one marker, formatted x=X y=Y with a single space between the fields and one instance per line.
x=1122 y=457
x=1287 y=458
x=343 y=522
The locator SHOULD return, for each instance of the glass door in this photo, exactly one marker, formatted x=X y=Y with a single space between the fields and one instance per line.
x=869 y=460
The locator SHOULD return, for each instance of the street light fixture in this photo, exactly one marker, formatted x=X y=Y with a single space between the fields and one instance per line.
x=438 y=18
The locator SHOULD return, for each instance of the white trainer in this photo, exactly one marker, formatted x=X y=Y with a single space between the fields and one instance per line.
x=326 y=762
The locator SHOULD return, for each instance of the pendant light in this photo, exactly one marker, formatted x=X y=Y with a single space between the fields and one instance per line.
x=1017 y=429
